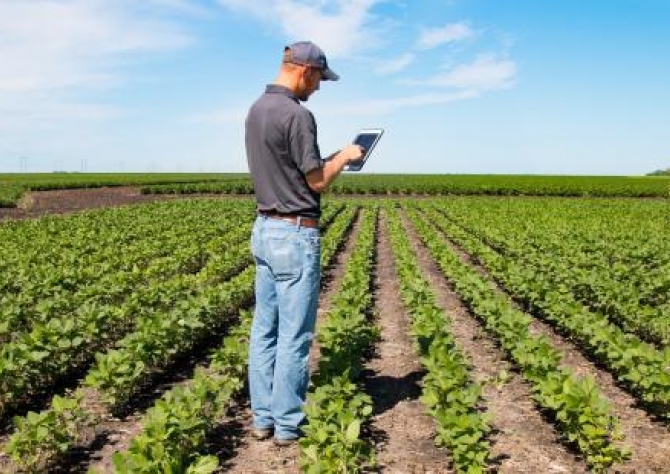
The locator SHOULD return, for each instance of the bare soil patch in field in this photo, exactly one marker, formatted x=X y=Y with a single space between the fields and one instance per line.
x=65 y=201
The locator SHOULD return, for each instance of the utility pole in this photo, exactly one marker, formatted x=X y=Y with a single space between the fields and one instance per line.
x=23 y=164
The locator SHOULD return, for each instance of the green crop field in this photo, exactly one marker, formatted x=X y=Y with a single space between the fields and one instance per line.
x=13 y=186
x=497 y=185
x=99 y=308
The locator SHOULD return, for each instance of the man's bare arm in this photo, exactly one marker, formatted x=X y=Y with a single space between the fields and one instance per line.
x=319 y=179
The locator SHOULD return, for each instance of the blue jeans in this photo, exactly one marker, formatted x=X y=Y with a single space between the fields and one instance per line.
x=288 y=271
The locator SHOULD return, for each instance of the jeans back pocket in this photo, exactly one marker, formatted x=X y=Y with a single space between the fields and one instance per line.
x=284 y=254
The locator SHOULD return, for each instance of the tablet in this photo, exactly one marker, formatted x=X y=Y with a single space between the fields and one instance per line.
x=367 y=138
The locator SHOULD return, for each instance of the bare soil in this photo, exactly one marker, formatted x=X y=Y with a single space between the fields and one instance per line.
x=403 y=433
x=648 y=438
x=66 y=201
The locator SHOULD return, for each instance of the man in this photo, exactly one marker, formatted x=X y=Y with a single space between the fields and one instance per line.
x=289 y=175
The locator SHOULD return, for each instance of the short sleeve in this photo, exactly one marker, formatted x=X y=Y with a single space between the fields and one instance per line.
x=303 y=142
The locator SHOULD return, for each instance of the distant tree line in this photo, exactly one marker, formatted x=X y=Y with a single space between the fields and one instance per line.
x=665 y=172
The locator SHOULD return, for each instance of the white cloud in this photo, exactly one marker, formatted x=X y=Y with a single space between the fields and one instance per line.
x=387 y=106
x=430 y=38
x=50 y=44
x=58 y=61
x=53 y=52
x=487 y=72
x=236 y=115
x=340 y=27
x=395 y=65
x=189 y=7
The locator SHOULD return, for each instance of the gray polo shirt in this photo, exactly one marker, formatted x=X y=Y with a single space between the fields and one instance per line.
x=281 y=149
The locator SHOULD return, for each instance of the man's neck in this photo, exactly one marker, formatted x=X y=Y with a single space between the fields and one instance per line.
x=288 y=81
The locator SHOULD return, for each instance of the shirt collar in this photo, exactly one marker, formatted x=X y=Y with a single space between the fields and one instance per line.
x=277 y=89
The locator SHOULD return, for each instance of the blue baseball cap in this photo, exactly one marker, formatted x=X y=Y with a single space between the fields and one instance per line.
x=306 y=52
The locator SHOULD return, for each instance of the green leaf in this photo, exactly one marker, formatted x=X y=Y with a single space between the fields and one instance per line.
x=204 y=465
x=353 y=430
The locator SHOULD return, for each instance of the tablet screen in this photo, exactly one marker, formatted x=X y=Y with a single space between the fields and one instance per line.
x=367 y=138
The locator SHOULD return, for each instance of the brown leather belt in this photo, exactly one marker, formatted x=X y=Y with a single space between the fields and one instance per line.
x=294 y=218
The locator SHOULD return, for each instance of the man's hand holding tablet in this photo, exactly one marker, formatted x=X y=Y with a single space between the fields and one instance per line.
x=366 y=139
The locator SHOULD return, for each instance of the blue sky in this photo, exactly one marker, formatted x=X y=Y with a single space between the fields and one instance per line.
x=461 y=86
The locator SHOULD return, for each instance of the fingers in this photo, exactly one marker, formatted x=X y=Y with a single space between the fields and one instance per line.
x=354 y=152
x=360 y=150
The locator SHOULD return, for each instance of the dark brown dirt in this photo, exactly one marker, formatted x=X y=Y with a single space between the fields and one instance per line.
x=523 y=441
x=648 y=438
x=403 y=433
x=242 y=453
x=113 y=434
x=65 y=201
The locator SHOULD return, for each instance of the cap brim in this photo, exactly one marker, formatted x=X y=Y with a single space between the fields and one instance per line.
x=329 y=75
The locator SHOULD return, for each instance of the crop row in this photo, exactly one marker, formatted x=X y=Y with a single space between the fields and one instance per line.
x=41 y=438
x=118 y=373
x=185 y=256
x=55 y=241
x=582 y=413
x=51 y=349
x=10 y=194
x=612 y=256
x=176 y=427
x=639 y=366
x=155 y=344
x=452 y=397
x=336 y=407
x=56 y=255
x=55 y=346
x=13 y=186
x=603 y=288
x=496 y=185
x=99 y=257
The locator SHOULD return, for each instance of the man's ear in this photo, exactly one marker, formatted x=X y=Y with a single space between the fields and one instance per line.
x=305 y=71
